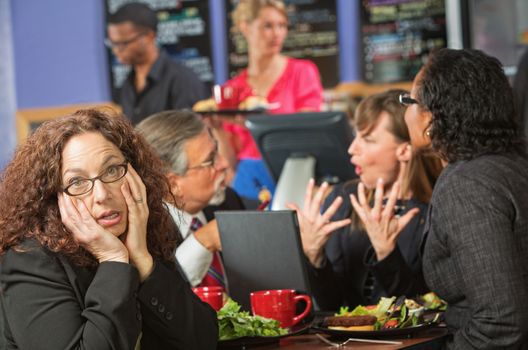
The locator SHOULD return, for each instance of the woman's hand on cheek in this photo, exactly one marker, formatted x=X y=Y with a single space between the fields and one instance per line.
x=103 y=245
x=135 y=240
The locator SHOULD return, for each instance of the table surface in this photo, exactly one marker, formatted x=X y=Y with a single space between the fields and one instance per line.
x=311 y=342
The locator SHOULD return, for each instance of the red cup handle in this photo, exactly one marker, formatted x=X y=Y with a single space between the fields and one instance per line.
x=303 y=314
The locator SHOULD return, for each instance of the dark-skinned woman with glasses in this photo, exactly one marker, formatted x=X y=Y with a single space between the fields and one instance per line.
x=87 y=244
x=476 y=252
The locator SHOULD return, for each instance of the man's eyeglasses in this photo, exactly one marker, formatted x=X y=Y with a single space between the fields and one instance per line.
x=120 y=45
x=211 y=162
x=111 y=174
x=407 y=100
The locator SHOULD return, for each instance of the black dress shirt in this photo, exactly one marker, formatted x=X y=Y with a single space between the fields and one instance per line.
x=170 y=85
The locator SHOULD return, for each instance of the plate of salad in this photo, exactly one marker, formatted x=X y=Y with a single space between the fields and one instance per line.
x=241 y=329
x=390 y=317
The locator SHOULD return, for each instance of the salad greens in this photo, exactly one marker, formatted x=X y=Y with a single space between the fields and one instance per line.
x=385 y=313
x=234 y=323
x=431 y=301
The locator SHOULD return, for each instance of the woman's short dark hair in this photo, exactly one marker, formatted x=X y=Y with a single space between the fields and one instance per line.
x=30 y=183
x=471 y=103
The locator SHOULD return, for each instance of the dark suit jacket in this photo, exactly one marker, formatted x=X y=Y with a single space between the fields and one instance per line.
x=51 y=304
x=476 y=253
x=350 y=256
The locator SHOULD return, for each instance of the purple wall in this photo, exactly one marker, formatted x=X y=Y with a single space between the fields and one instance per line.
x=59 y=52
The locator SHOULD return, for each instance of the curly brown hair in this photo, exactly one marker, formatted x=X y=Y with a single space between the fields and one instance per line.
x=30 y=183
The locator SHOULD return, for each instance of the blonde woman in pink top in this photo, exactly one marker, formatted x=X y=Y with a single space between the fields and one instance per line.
x=289 y=85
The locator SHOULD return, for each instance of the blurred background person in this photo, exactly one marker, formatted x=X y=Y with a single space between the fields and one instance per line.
x=196 y=174
x=286 y=84
x=352 y=263
x=87 y=244
x=156 y=82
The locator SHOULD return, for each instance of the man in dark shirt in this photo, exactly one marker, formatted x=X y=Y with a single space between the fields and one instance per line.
x=156 y=82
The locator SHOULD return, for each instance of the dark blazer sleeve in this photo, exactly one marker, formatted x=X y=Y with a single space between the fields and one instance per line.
x=173 y=316
x=397 y=277
x=44 y=310
x=474 y=222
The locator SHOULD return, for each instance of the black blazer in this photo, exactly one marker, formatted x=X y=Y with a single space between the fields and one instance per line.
x=49 y=303
x=476 y=252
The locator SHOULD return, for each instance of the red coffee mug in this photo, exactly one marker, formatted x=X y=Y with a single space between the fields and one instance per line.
x=215 y=299
x=279 y=305
x=226 y=97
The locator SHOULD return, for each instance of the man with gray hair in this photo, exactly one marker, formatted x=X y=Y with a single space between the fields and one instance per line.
x=196 y=174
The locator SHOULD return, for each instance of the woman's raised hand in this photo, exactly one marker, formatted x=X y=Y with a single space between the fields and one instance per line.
x=135 y=240
x=103 y=245
x=382 y=225
x=316 y=227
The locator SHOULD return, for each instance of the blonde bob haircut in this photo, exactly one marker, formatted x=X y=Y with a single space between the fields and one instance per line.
x=248 y=11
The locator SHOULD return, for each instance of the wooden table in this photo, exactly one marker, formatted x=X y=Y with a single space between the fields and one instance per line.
x=423 y=340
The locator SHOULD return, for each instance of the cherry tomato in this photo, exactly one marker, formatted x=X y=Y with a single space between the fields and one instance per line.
x=392 y=323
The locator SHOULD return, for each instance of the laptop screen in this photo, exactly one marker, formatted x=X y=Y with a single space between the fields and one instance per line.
x=261 y=250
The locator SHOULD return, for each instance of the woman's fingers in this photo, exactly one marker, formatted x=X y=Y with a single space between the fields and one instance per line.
x=405 y=219
x=388 y=211
x=315 y=208
x=378 y=200
x=136 y=186
x=331 y=210
x=127 y=193
x=362 y=197
x=360 y=211
x=293 y=206
x=308 y=196
x=336 y=225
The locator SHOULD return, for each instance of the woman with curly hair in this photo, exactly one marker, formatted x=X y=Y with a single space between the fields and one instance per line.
x=87 y=245
x=476 y=252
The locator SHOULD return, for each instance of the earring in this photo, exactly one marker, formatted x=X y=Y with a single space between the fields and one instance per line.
x=428 y=132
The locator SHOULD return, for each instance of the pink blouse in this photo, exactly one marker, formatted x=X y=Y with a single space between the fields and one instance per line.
x=299 y=87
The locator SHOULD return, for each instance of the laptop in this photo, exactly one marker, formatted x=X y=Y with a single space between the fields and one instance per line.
x=261 y=250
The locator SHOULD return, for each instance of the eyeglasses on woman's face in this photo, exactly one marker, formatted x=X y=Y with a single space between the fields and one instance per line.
x=406 y=99
x=79 y=186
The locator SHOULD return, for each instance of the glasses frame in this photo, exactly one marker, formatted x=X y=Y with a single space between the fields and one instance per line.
x=406 y=99
x=120 y=45
x=99 y=177
x=205 y=164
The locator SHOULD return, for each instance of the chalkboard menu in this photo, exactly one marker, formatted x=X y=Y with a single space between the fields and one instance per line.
x=397 y=36
x=183 y=31
x=312 y=34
